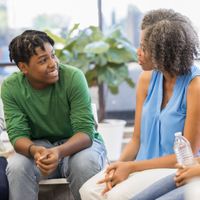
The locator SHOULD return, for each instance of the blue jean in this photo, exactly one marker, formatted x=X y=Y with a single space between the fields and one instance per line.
x=164 y=189
x=3 y=179
x=23 y=175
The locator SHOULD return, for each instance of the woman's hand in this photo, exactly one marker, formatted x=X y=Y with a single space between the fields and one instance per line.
x=109 y=185
x=115 y=174
x=185 y=173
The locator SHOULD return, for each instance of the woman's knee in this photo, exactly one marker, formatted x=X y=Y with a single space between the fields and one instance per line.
x=85 y=192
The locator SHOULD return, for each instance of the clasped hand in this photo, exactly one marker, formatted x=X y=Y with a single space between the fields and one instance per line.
x=185 y=173
x=46 y=160
x=114 y=174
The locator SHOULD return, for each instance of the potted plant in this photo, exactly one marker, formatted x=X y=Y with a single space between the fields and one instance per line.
x=103 y=57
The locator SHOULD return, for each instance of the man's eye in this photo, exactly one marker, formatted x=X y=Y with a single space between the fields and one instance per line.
x=42 y=60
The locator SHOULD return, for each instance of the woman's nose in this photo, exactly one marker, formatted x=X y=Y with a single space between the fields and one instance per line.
x=138 y=51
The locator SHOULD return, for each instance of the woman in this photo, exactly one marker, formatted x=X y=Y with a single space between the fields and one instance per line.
x=167 y=102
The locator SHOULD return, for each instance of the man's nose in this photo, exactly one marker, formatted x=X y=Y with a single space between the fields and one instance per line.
x=52 y=62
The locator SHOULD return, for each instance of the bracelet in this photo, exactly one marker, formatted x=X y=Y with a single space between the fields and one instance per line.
x=29 y=149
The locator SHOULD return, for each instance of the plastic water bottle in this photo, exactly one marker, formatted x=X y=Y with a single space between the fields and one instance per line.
x=183 y=150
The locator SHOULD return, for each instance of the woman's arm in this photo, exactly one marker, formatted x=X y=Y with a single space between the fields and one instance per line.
x=192 y=122
x=130 y=151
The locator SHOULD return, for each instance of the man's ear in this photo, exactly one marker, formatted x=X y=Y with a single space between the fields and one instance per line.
x=23 y=67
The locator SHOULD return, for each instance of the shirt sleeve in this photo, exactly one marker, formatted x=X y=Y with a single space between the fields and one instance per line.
x=2 y=122
x=81 y=115
x=16 y=121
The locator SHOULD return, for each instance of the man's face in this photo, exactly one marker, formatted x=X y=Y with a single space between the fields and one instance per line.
x=42 y=69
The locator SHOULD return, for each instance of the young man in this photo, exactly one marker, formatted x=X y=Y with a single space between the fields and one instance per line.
x=49 y=119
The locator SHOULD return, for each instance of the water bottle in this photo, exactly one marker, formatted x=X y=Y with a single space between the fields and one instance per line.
x=183 y=150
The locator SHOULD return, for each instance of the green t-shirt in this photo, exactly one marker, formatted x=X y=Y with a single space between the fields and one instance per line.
x=54 y=113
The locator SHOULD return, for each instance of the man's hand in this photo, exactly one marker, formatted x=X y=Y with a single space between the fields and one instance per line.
x=46 y=159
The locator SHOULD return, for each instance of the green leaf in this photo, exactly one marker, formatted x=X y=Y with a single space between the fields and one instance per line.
x=98 y=47
x=113 y=89
x=113 y=75
x=75 y=27
x=130 y=82
x=95 y=33
x=129 y=48
x=119 y=55
x=64 y=56
x=55 y=37
x=114 y=32
x=91 y=77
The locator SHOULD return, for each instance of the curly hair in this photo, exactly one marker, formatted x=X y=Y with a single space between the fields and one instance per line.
x=22 y=47
x=171 y=41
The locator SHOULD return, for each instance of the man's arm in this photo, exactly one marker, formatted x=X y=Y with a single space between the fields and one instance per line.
x=47 y=159
x=76 y=143
x=25 y=146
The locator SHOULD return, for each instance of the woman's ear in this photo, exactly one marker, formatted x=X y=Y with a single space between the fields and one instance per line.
x=23 y=67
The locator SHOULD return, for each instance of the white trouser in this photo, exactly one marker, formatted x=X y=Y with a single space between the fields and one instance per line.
x=127 y=189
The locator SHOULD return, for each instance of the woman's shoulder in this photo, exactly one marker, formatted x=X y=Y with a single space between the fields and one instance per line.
x=144 y=79
x=194 y=80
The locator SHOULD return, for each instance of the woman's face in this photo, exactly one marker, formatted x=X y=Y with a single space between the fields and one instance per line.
x=144 y=58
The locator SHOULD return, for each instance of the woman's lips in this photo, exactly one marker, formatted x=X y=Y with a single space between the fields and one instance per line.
x=140 y=62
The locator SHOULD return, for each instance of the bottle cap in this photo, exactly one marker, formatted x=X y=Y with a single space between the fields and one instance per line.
x=178 y=133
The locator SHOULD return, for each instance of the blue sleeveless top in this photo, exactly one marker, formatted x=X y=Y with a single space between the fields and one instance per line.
x=159 y=126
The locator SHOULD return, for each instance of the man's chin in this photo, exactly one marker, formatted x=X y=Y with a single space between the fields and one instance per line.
x=53 y=80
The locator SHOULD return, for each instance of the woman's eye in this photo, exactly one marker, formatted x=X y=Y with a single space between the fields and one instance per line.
x=143 y=48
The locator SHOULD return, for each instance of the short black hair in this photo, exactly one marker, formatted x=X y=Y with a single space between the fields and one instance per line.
x=22 y=47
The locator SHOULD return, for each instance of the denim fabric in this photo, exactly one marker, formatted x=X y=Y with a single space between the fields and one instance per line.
x=23 y=175
x=3 y=180
x=163 y=189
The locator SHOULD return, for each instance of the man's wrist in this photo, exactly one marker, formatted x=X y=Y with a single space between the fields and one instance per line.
x=29 y=150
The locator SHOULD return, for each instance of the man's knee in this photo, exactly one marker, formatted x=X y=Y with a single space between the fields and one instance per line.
x=19 y=165
x=86 y=162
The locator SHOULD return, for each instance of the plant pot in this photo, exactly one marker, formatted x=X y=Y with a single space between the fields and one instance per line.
x=112 y=131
